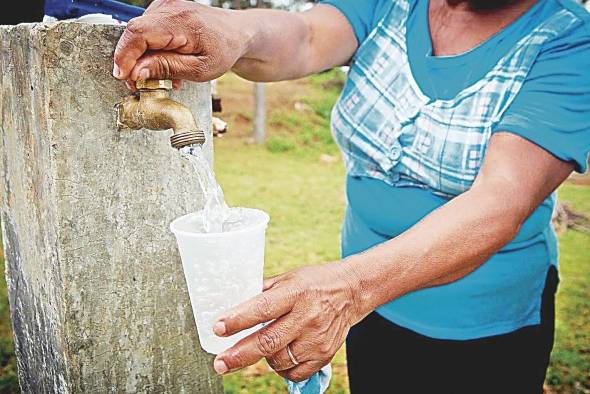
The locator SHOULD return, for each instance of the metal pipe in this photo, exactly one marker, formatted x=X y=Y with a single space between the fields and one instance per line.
x=153 y=109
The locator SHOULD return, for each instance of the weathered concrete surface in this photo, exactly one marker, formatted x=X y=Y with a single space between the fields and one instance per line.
x=97 y=296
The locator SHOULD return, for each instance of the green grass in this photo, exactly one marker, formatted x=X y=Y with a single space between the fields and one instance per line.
x=309 y=126
x=569 y=371
x=305 y=198
x=570 y=364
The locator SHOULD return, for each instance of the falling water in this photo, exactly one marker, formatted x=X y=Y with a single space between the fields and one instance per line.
x=216 y=213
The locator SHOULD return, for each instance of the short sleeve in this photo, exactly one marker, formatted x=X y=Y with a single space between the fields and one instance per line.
x=363 y=16
x=552 y=108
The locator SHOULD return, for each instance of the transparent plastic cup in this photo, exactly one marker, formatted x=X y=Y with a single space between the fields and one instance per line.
x=222 y=270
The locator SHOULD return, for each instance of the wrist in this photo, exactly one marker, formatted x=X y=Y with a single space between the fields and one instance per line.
x=378 y=277
x=352 y=284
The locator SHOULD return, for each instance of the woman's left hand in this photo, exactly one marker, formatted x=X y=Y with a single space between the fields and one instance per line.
x=312 y=307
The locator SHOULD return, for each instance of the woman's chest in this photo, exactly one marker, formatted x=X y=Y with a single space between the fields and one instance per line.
x=384 y=115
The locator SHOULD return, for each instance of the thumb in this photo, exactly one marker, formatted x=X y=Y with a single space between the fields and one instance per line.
x=173 y=65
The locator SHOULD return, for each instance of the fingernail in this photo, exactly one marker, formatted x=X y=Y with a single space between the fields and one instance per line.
x=219 y=328
x=220 y=367
x=116 y=71
x=144 y=74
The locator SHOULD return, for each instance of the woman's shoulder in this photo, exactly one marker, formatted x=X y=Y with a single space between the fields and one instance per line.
x=552 y=108
x=571 y=39
x=576 y=8
x=579 y=14
x=363 y=16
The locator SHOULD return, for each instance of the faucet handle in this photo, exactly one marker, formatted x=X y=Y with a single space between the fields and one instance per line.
x=154 y=84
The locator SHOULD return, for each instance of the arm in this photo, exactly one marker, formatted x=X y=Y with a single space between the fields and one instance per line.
x=293 y=45
x=178 y=39
x=315 y=306
x=460 y=236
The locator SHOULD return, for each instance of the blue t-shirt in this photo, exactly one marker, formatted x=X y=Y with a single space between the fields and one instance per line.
x=553 y=107
x=552 y=110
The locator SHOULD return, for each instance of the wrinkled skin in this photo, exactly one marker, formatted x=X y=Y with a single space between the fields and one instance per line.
x=177 y=39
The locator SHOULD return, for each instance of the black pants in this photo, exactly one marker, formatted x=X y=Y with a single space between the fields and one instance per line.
x=386 y=358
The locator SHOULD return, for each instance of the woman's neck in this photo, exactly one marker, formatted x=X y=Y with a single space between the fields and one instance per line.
x=456 y=26
x=482 y=5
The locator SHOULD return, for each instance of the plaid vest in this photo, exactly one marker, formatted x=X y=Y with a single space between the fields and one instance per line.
x=388 y=129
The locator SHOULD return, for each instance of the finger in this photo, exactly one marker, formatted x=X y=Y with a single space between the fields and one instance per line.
x=172 y=65
x=303 y=371
x=131 y=85
x=142 y=34
x=265 y=342
x=281 y=361
x=270 y=282
x=177 y=84
x=262 y=308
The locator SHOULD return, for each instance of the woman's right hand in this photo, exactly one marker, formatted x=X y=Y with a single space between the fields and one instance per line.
x=178 y=39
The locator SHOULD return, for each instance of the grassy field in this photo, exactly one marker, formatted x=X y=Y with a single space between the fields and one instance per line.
x=297 y=177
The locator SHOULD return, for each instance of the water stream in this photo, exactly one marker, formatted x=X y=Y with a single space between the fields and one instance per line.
x=217 y=216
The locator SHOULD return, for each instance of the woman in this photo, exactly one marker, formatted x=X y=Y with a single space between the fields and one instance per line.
x=458 y=121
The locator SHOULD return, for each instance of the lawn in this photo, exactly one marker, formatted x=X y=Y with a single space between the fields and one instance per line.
x=297 y=177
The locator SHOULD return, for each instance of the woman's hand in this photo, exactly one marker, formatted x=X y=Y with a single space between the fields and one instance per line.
x=177 y=39
x=312 y=307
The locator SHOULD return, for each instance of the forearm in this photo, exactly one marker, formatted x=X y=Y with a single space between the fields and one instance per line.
x=277 y=42
x=448 y=244
x=282 y=45
x=457 y=238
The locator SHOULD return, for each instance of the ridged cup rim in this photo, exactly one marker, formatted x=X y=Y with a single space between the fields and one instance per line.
x=264 y=223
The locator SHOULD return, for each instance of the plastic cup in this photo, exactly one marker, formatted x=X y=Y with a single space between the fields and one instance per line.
x=221 y=270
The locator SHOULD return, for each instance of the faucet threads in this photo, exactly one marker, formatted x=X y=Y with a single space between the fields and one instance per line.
x=189 y=138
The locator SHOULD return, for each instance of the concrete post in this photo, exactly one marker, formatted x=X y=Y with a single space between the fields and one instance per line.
x=98 y=300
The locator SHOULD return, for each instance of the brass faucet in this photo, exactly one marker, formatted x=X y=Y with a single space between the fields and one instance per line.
x=153 y=109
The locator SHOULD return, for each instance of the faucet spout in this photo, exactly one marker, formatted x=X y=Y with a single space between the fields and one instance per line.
x=153 y=109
